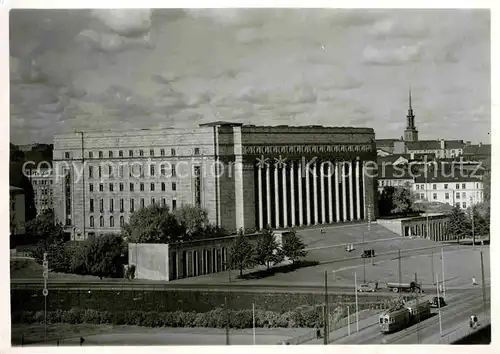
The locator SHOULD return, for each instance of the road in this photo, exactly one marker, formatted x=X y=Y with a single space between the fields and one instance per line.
x=460 y=307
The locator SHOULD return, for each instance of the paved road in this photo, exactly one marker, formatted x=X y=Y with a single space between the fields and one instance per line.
x=460 y=307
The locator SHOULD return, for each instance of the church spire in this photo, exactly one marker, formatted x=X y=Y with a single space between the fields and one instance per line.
x=411 y=133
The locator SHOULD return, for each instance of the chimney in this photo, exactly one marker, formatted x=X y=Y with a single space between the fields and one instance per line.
x=442 y=144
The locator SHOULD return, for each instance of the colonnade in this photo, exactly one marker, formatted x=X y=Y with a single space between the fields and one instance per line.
x=198 y=261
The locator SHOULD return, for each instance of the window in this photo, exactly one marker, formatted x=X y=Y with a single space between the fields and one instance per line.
x=418 y=187
x=172 y=152
x=120 y=153
x=91 y=221
x=101 y=221
x=152 y=187
x=101 y=187
x=163 y=202
x=110 y=154
x=457 y=186
x=121 y=187
x=174 y=186
x=153 y=200
x=122 y=208
x=162 y=152
x=91 y=171
x=141 y=171
x=91 y=155
x=111 y=205
x=66 y=154
x=110 y=170
x=111 y=221
x=447 y=196
x=434 y=196
x=446 y=186
x=174 y=172
x=152 y=170
x=422 y=196
x=141 y=152
x=111 y=187
x=163 y=186
x=122 y=221
x=196 y=151
x=174 y=204
x=141 y=187
x=422 y=186
x=434 y=186
x=131 y=153
x=91 y=187
x=464 y=196
x=91 y=205
x=142 y=202
x=131 y=187
x=101 y=205
x=152 y=152
x=120 y=172
x=464 y=205
x=163 y=170
x=100 y=171
x=463 y=185
x=131 y=205
x=457 y=195
x=100 y=155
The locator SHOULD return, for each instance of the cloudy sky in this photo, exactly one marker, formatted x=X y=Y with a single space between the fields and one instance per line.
x=118 y=69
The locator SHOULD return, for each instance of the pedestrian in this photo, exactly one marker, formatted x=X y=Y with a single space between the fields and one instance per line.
x=474 y=283
x=81 y=341
x=318 y=332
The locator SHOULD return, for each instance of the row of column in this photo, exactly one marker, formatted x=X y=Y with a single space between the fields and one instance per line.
x=197 y=262
x=309 y=194
x=437 y=230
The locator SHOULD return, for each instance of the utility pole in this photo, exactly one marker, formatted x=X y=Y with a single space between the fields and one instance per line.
x=432 y=269
x=418 y=312
x=356 y=296
x=226 y=302
x=83 y=184
x=399 y=266
x=326 y=317
x=442 y=271
x=439 y=306
x=482 y=281
x=472 y=219
x=363 y=247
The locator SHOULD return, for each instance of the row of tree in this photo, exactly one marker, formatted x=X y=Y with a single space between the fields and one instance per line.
x=266 y=251
x=393 y=201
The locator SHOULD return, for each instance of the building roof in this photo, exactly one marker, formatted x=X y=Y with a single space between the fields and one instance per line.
x=220 y=122
x=449 y=175
x=394 y=172
x=481 y=149
x=385 y=142
x=392 y=158
x=434 y=144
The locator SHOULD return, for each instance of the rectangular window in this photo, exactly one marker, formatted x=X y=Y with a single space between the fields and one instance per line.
x=153 y=200
x=152 y=187
x=174 y=186
x=111 y=205
x=131 y=153
x=163 y=202
x=446 y=186
x=120 y=153
x=464 y=196
x=163 y=170
x=91 y=155
x=163 y=186
x=464 y=205
x=131 y=187
x=141 y=152
x=120 y=172
x=121 y=206
x=197 y=185
x=131 y=205
x=66 y=154
x=101 y=205
x=121 y=187
x=434 y=186
x=100 y=155
x=162 y=152
x=152 y=170
x=196 y=151
x=174 y=172
x=457 y=195
x=110 y=171
x=110 y=154
x=142 y=202
x=174 y=204
x=447 y=196
x=463 y=185
x=457 y=186
x=101 y=221
x=100 y=171
x=152 y=152
x=111 y=187
x=91 y=171
x=91 y=205
x=434 y=196
x=418 y=187
x=101 y=187
x=91 y=187
x=141 y=187
x=172 y=152
x=91 y=221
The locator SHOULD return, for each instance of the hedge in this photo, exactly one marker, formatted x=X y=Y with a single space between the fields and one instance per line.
x=169 y=300
x=306 y=317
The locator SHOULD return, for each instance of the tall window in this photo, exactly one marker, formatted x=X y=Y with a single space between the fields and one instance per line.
x=122 y=221
x=110 y=154
x=131 y=153
x=152 y=152
x=196 y=151
x=172 y=152
x=174 y=186
x=91 y=155
x=174 y=172
x=457 y=186
x=152 y=170
x=142 y=203
x=91 y=171
x=111 y=205
x=121 y=187
x=141 y=187
x=434 y=186
x=111 y=221
x=163 y=186
x=132 y=205
x=100 y=155
x=174 y=204
x=447 y=196
x=197 y=185
x=91 y=205
x=101 y=205
x=91 y=221
x=153 y=200
x=101 y=221
x=131 y=187
x=121 y=205
x=91 y=187
x=152 y=187
x=141 y=152
x=162 y=152
x=111 y=187
x=120 y=153
x=463 y=185
x=100 y=171
x=101 y=187
x=163 y=202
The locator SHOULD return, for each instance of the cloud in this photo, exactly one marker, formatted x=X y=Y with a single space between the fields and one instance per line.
x=400 y=27
x=126 y=22
x=391 y=56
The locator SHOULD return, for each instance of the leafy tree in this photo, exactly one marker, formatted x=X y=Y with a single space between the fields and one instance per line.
x=46 y=227
x=103 y=256
x=152 y=224
x=459 y=226
x=481 y=219
x=242 y=253
x=267 y=251
x=293 y=247
x=385 y=201
x=402 y=201
x=194 y=220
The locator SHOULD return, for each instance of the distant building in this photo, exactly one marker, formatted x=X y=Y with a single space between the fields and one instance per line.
x=17 y=211
x=42 y=182
x=394 y=176
x=411 y=132
x=439 y=148
x=477 y=152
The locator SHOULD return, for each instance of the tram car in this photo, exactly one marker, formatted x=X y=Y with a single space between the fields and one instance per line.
x=404 y=316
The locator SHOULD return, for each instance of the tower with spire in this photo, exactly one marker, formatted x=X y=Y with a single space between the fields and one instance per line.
x=411 y=133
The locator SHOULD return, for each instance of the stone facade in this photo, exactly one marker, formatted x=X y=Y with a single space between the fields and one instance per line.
x=42 y=182
x=431 y=226
x=250 y=176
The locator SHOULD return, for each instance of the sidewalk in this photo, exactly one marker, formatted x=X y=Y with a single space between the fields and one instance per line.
x=343 y=332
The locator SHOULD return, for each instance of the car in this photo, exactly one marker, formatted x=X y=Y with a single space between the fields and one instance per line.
x=438 y=302
x=368 y=254
x=364 y=287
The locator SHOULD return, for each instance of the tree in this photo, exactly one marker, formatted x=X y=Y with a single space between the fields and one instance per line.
x=402 y=201
x=193 y=219
x=385 y=201
x=293 y=247
x=458 y=226
x=46 y=227
x=242 y=252
x=152 y=224
x=267 y=250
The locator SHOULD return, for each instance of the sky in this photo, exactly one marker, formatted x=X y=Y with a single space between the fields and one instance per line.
x=119 y=69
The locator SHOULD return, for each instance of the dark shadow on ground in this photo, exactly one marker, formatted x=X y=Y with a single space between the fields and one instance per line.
x=260 y=274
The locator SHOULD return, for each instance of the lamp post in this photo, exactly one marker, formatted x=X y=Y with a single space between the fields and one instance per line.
x=472 y=219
